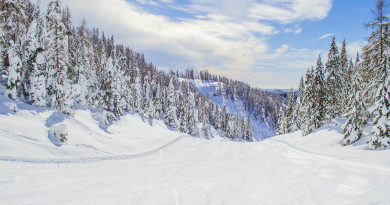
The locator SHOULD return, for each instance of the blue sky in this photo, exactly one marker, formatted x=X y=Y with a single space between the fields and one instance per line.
x=267 y=43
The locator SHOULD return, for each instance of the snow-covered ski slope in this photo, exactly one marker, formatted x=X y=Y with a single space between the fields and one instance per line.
x=261 y=130
x=138 y=161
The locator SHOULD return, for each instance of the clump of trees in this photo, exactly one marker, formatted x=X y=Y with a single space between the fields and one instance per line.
x=359 y=90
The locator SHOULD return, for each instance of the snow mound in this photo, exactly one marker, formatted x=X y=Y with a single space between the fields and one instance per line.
x=57 y=134
x=10 y=107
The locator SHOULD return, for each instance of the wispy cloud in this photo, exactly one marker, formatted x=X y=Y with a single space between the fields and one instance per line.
x=288 y=11
x=325 y=36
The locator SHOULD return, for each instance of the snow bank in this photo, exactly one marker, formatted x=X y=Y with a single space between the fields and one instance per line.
x=37 y=132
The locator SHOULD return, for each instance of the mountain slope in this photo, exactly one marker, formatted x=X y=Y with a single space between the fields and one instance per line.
x=261 y=129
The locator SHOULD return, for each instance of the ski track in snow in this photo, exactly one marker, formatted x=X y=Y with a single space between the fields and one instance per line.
x=85 y=159
x=331 y=158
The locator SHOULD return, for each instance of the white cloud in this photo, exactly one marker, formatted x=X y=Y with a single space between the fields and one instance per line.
x=288 y=11
x=355 y=47
x=325 y=36
x=290 y=30
x=150 y=2
x=213 y=40
x=282 y=49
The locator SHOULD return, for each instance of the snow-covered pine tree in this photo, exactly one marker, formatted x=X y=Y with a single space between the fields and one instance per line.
x=348 y=85
x=83 y=66
x=14 y=70
x=373 y=61
x=205 y=118
x=308 y=104
x=319 y=95
x=29 y=51
x=67 y=96
x=346 y=75
x=15 y=22
x=183 y=113
x=191 y=110
x=116 y=90
x=137 y=93
x=217 y=121
x=158 y=101
x=281 y=127
x=376 y=72
x=224 y=118
x=151 y=110
x=147 y=93
x=171 y=115
x=231 y=126
x=334 y=84
x=355 y=110
x=3 y=68
x=381 y=129
x=297 y=118
x=248 y=130
x=37 y=87
x=59 y=89
x=289 y=111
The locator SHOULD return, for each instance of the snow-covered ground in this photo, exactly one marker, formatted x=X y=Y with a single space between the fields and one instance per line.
x=139 y=161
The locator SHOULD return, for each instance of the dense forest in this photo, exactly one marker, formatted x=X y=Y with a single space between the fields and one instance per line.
x=47 y=61
x=356 y=89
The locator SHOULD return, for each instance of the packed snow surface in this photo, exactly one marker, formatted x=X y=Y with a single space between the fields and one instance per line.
x=135 y=160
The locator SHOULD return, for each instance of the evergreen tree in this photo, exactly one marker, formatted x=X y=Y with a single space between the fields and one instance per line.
x=15 y=21
x=381 y=129
x=57 y=60
x=147 y=93
x=14 y=70
x=37 y=89
x=308 y=104
x=355 y=110
x=374 y=60
x=31 y=46
x=345 y=73
x=289 y=112
x=170 y=115
x=137 y=93
x=376 y=73
x=319 y=93
x=297 y=118
x=83 y=66
x=248 y=130
x=3 y=68
x=281 y=128
x=334 y=84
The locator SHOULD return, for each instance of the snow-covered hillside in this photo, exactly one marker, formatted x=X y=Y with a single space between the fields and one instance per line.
x=25 y=133
x=140 y=161
x=261 y=130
